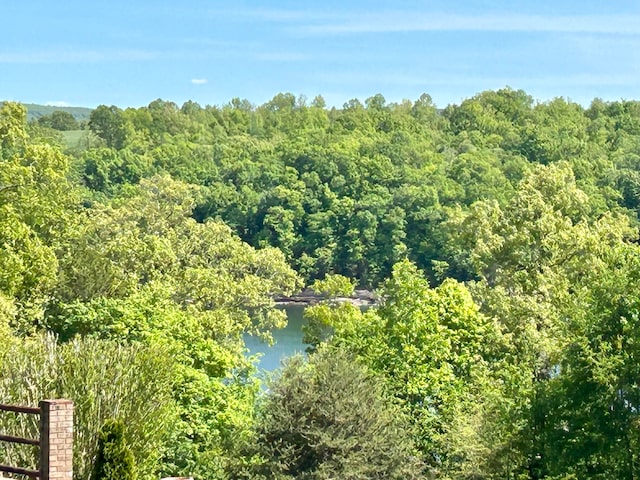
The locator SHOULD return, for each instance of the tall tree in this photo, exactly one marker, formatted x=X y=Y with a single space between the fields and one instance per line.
x=432 y=348
x=109 y=124
x=141 y=270
x=37 y=203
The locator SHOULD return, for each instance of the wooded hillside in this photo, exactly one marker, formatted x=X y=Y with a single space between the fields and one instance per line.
x=501 y=236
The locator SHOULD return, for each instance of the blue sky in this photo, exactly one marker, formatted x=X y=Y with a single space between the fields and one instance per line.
x=129 y=53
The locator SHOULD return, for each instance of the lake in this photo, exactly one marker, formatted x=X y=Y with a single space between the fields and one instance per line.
x=288 y=340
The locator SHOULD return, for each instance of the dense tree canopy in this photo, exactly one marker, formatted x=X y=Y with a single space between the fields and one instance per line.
x=354 y=190
x=500 y=234
x=140 y=271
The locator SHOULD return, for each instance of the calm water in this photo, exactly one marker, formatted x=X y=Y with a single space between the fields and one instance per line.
x=288 y=341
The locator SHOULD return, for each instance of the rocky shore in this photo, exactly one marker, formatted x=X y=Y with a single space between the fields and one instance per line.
x=360 y=298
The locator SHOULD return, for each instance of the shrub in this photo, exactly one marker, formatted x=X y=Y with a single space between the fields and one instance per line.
x=329 y=418
x=115 y=459
x=132 y=383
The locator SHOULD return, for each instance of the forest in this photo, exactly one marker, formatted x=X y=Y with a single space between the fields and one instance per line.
x=500 y=236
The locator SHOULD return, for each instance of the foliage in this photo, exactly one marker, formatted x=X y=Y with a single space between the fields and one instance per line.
x=149 y=239
x=172 y=227
x=329 y=418
x=141 y=270
x=114 y=460
x=431 y=348
x=132 y=384
x=109 y=124
x=59 y=120
x=354 y=190
x=593 y=402
x=334 y=286
x=36 y=209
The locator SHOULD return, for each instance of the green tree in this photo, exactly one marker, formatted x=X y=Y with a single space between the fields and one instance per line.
x=59 y=120
x=37 y=203
x=592 y=402
x=558 y=132
x=532 y=257
x=493 y=119
x=109 y=124
x=140 y=269
x=114 y=460
x=432 y=347
x=106 y=170
x=13 y=135
x=329 y=418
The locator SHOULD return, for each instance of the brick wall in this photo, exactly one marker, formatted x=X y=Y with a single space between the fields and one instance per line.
x=56 y=440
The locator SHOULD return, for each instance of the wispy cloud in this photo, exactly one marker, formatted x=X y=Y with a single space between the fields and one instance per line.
x=319 y=22
x=199 y=81
x=75 y=56
x=408 y=21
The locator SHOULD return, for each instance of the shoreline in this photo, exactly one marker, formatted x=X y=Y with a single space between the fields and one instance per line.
x=360 y=298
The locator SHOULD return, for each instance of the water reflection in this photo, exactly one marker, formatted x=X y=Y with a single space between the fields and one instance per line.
x=288 y=341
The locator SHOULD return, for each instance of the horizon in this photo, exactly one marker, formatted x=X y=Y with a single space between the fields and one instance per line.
x=254 y=105
x=124 y=54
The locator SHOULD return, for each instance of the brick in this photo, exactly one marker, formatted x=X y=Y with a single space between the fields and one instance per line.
x=57 y=439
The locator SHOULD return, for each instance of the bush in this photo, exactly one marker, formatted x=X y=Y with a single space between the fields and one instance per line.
x=115 y=459
x=328 y=418
x=132 y=383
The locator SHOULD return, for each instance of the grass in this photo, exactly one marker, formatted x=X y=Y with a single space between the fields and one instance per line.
x=73 y=137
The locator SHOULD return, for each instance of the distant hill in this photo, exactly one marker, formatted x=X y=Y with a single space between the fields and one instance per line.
x=35 y=111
